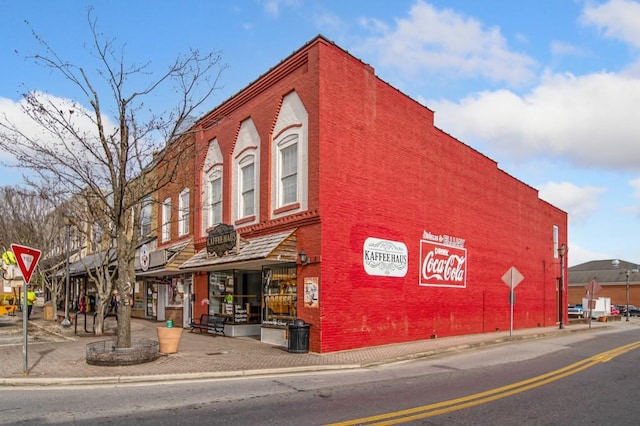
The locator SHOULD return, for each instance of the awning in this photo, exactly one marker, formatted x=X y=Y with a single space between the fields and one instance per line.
x=252 y=254
x=166 y=261
x=91 y=262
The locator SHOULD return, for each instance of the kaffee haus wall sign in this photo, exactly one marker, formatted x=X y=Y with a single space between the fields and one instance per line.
x=221 y=239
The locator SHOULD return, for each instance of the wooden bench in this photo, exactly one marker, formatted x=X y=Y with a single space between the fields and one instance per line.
x=208 y=323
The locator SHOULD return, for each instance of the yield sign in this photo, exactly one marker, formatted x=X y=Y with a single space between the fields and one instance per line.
x=512 y=277
x=27 y=259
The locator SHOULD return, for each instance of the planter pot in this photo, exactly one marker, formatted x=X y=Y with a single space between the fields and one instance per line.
x=602 y=319
x=169 y=339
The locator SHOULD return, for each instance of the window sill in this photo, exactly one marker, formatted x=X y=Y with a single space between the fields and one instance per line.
x=287 y=208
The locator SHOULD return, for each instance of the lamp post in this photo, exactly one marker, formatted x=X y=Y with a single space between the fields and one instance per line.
x=66 y=322
x=562 y=250
x=627 y=272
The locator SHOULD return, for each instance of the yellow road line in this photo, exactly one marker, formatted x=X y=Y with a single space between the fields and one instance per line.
x=443 y=407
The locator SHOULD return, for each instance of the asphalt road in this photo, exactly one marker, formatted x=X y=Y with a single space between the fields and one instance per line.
x=583 y=378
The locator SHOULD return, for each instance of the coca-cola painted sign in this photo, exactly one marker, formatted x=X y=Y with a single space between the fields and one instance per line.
x=442 y=265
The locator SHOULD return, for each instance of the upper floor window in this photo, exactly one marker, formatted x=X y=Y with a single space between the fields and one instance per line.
x=145 y=217
x=288 y=169
x=215 y=201
x=246 y=175
x=212 y=186
x=247 y=187
x=166 y=220
x=96 y=240
x=556 y=238
x=289 y=158
x=183 y=212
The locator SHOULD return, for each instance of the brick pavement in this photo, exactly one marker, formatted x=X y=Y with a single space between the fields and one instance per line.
x=57 y=356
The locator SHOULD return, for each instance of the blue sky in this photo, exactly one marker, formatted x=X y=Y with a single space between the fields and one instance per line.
x=547 y=88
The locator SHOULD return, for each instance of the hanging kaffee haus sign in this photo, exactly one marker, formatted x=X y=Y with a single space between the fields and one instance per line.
x=221 y=239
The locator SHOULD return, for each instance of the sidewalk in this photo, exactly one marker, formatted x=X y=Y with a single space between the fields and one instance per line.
x=56 y=356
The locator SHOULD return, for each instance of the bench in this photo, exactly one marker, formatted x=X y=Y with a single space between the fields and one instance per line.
x=208 y=323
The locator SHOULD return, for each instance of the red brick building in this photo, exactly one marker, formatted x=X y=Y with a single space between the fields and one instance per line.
x=407 y=231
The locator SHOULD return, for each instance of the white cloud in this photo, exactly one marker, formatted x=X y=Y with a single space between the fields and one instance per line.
x=443 y=41
x=272 y=7
x=590 y=120
x=635 y=184
x=577 y=201
x=577 y=255
x=616 y=19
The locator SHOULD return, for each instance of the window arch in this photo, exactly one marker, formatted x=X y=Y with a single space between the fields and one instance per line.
x=246 y=175
x=289 y=158
x=212 y=187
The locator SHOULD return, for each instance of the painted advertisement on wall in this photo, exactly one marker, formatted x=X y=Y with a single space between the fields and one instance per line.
x=443 y=261
x=385 y=258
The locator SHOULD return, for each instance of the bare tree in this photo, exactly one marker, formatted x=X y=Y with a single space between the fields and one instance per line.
x=107 y=144
x=30 y=219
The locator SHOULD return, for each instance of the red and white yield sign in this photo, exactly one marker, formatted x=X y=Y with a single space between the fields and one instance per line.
x=512 y=277
x=27 y=259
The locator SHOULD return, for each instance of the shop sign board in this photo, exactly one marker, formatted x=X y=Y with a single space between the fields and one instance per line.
x=442 y=265
x=221 y=239
x=385 y=258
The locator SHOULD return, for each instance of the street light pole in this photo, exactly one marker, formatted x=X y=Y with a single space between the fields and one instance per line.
x=66 y=322
x=627 y=272
x=562 y=250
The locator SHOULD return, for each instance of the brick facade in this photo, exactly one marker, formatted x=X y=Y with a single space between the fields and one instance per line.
x=378 y=168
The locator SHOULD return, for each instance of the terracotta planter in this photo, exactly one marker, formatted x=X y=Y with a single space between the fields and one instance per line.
x=169 y=339
x=602 y=319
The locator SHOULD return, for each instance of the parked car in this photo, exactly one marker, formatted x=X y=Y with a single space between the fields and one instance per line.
x=632 y=309
x=615 y=310
x=576 y=311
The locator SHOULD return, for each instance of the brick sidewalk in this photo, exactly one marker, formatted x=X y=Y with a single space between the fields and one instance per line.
x=58 y=357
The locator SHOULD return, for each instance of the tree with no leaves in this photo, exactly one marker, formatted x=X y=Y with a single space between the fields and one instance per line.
x=106 y=146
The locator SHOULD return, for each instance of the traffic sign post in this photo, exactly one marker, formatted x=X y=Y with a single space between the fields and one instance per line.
x=27 y=259
x=592 y=288
x=512 y=278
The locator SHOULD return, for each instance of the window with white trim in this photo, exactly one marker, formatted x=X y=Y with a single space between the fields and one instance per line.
x=215 y=198
x=288 y=170
x=183 y=212
x=245 y=176
x=247 y=187
x=166 y=220
x=556 y=238
x=145 y=217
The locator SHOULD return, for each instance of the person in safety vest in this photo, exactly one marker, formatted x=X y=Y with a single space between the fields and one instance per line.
x=31 y=299
x=9 y=258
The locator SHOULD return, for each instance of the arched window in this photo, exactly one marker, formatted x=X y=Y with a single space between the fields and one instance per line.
x=246 y=175
x=289 y=158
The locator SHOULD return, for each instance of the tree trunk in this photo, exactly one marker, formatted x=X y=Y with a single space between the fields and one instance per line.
x=101 y=311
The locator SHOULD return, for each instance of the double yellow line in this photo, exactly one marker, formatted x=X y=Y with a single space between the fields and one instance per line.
x=444 y=407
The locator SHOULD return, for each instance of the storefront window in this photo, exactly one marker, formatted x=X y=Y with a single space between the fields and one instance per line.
x=236 y=295
x=280 y=295
x=175 y=293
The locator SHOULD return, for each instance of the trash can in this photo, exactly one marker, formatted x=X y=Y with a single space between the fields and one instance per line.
x=47 y=311
x=298 y=337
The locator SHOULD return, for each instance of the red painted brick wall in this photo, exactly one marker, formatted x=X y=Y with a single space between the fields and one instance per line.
x=386 y=172
x=378 y=168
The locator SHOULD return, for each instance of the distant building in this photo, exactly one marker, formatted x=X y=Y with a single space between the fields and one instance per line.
x=611 y=280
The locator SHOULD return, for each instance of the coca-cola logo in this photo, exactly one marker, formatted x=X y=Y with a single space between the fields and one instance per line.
x=442 y=265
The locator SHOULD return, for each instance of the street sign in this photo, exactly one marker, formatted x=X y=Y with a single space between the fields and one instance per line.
x=27 y=259
x=512 y=277
x=593 y=287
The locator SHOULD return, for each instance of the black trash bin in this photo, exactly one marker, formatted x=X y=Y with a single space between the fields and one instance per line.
x=299 y=337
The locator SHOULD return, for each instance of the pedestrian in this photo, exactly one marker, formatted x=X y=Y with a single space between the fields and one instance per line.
x=31 y=299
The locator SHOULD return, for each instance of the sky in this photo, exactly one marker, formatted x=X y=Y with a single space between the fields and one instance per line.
x=549 y=89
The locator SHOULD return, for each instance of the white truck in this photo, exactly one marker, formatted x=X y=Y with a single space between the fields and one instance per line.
x=600 y=306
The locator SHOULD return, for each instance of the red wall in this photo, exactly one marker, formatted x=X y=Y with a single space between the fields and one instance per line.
x=386 y=172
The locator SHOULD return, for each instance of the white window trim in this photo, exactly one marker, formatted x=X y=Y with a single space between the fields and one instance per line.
x=166 y=220
x=215 y=175
x=183 y=212
x=247 y=160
